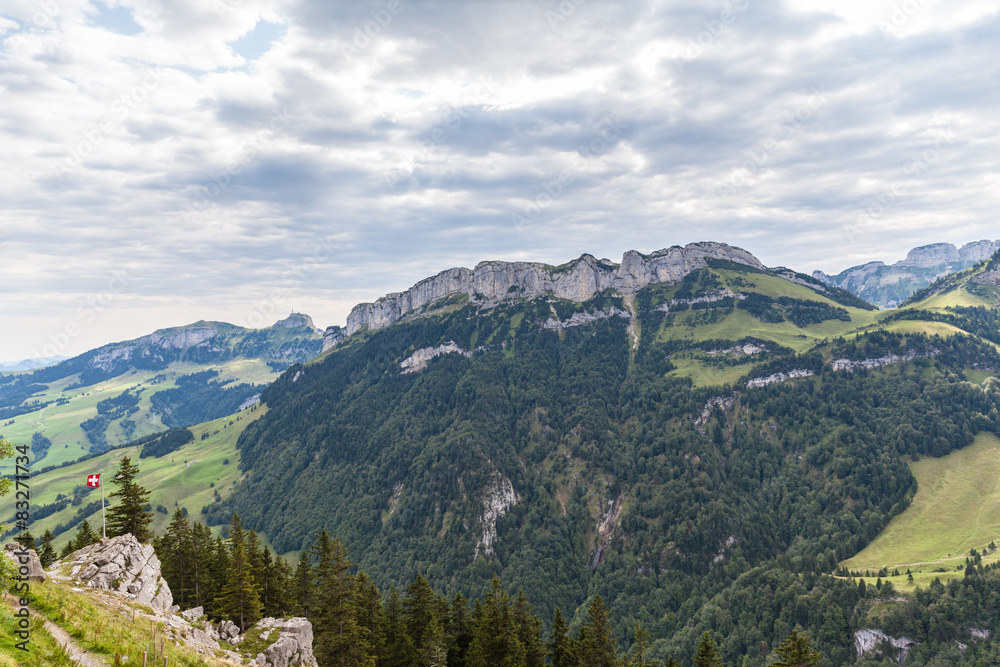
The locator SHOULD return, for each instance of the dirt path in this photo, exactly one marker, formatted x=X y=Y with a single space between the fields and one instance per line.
x=76 y=654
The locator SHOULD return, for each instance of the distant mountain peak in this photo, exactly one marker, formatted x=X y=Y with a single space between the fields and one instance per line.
x=296 y=320
x=890 y=285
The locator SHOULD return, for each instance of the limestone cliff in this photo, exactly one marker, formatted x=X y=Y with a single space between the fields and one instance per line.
x=890 y=285
x=493 y=282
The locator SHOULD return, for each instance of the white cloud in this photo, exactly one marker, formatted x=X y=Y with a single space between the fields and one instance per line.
x=155 y=151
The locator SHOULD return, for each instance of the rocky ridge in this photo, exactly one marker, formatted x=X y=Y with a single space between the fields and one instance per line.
x=494 y=282
x=889 y=285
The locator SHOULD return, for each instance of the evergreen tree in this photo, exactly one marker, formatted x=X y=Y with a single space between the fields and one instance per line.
x=494 y=635
x=302 y=586
x=561 y=649
x=133 y=513
x=173 y=551
x=795 y=651
x=707 y=655
x=203 y=586
x=26 y=540
x=640 y=644
x=598 y=647
x=47 y=554
x=84 y=537
x=529 y=632
x=370 y=616
x=398 y=647
x=418 y=612
x=460 y=631
x=337 y=637
x=239 y=599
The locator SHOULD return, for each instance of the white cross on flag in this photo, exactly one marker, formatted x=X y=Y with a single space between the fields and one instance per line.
x=94 y=480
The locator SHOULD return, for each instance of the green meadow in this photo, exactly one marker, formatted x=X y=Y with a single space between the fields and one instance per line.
x=956 y=509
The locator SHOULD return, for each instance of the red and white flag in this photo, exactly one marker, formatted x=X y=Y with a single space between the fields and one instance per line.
x=94 y=480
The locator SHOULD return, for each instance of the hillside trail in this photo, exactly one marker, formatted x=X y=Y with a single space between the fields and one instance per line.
x=76 y=654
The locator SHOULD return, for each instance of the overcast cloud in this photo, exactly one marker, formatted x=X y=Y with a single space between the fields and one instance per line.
x=169 y=161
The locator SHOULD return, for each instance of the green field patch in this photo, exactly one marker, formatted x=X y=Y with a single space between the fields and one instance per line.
x=956 y=509
x=188 y=477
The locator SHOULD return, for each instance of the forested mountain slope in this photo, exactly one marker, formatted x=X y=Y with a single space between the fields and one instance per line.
x=700 y=452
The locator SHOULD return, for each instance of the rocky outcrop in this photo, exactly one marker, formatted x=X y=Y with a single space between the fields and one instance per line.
x=579 y=319
x=418 y=360
x=124 y=565
x=494 y=282
x=500 y=497
x=297 y=320
x=293 y=645
x=867 y=640
x=988 y=278
x=331 y=337
x=193 y=614
x=26 y=561
x=934 y=254
x=778 y=377
x=853 y=365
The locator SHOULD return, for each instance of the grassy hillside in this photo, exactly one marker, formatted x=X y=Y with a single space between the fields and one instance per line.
x=189 y=477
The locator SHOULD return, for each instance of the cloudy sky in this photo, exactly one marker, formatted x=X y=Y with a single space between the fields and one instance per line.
x=166 y=161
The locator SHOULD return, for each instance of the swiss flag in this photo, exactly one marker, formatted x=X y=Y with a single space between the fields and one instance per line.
x=94 y=480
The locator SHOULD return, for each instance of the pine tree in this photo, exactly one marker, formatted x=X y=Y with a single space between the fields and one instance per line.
x=418 y=611
x=133 y=513
x=640 y=644
x=370 y=615
x=598 y=647
x=47 y=554
x=26 y=540
x=84 y=537
x=239 y=600
x=529 y=632
x=202 y=584
x=173 y=551
x=494 y=635
x=302 y=586
x=561 y=648
x=460 y=631
x=707 y=655
x=795 y=651
x=337 y=636
x=398 y=648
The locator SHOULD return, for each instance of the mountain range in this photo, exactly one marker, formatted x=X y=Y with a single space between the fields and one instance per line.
x=890 y=285
x=706 y=443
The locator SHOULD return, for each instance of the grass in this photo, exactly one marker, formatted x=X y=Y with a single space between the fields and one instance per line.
x=706 y=375
x=61 y=423
x=43 y=651
x=740 y=324
x=985 y=296
x=184 y=478
x=102 y=623
x=956 y=508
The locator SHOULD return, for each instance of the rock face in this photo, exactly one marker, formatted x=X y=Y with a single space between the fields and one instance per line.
x=293 y=645
x=296 y=320
x=332 y=336
x=493 y=282
x=866 y=641
x=25 y=558
x=418 y=360
x=123 y=564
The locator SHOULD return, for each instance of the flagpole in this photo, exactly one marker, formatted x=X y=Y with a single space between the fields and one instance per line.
x=104 y=519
